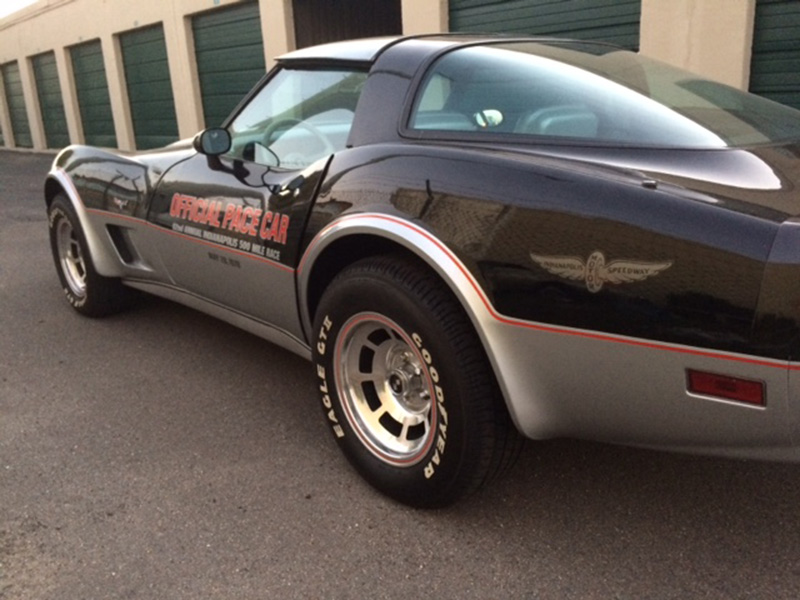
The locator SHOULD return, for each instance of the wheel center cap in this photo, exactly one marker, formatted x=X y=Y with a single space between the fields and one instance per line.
x=397 y=384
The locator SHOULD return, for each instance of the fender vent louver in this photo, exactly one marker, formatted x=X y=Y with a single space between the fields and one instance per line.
x=122 y=243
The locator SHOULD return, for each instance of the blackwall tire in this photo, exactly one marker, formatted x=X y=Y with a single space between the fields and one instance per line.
x=86 y=290
x=406 y=387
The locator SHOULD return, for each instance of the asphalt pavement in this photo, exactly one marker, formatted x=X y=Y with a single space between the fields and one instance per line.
x=161 y=454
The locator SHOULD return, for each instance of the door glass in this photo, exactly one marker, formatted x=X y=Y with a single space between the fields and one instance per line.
x=299 y=117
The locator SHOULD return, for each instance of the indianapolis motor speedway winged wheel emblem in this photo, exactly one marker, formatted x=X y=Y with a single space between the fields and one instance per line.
x=596 y=272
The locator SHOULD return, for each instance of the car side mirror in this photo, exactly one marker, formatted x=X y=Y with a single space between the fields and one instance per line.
x=212 y=142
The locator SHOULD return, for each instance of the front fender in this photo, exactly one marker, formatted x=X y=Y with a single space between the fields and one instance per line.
x=99 y=245
x=108 y=187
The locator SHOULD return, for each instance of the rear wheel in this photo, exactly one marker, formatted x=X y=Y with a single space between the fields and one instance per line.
x=86 y=290
x=406 y=386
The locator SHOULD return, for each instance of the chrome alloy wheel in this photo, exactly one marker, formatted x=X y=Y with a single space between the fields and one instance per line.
x=385 y=389
x=70 y=257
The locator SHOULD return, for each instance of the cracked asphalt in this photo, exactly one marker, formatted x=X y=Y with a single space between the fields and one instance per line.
x=161 y=454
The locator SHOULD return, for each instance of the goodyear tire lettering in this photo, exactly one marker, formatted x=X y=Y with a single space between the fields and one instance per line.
x=441 y=435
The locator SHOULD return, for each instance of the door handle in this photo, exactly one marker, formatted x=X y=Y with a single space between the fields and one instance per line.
x=292 y=188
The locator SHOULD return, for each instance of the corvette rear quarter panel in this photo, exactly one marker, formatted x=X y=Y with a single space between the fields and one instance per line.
x=498 y=213
x=605 y=363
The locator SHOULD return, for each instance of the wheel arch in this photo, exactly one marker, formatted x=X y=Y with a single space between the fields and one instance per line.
x=52 y=187
x=59 y=182
x=359 y=236
x=337 y=256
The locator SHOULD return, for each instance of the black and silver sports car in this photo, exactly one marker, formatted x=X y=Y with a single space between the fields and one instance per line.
x=473 y=238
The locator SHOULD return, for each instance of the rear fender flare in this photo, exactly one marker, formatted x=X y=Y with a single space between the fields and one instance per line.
x=428 y=248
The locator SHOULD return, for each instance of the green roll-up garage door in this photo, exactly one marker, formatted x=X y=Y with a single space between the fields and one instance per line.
x=615 y=21
x=16 y=105
x=51 y=103
x=775 y=67
x=230 y=58
x=144 y=54
x=94 y=101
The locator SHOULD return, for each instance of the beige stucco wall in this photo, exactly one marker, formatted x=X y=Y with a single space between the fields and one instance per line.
x=425 y=16
x=277 y=28
x=57 y=24
x=710 y=37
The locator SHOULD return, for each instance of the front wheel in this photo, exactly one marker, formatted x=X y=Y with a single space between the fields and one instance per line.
x=406 y=386
x=86 y=290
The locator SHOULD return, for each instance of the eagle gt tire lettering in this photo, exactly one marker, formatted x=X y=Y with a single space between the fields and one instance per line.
x=86 y=290
x=405 y=385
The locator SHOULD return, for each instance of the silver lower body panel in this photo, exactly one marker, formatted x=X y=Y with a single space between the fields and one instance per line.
x=562 y=382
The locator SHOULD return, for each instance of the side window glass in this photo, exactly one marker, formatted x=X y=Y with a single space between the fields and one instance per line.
x=554 y=92
x=298 y=117
x=492 y=90
x=437 y=108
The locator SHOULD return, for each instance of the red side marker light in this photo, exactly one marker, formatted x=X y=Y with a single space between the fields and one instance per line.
x=726 y=387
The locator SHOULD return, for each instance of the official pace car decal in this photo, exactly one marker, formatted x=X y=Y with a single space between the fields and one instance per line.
x=596 y=273
x=255 y=224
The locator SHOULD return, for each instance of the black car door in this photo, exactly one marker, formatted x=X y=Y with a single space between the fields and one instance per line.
x=231 y=226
